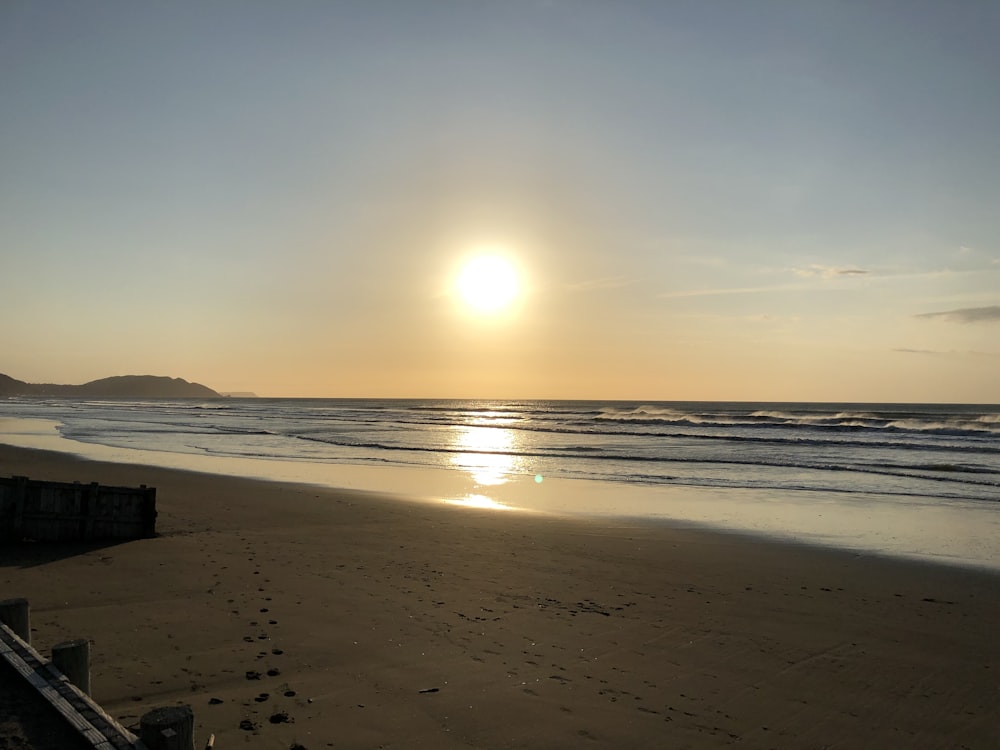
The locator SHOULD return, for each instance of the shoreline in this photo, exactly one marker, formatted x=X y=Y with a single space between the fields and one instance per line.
x=403 y=624
x=939 y=531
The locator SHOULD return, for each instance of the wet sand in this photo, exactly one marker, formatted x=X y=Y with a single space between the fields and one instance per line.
x=291 y=615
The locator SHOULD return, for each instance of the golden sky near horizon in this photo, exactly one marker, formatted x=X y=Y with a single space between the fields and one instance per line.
x=769 y=201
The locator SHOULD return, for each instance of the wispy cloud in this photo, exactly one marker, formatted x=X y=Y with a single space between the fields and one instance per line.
x=818 y=277
x=712 y=261
x=732 y=290
x=608 y=282
x=966 y=315
x=949 y=353
x=828 y=272
x=814 y=285
x=759 y=318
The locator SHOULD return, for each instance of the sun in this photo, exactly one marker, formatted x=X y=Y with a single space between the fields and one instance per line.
x=488 y=284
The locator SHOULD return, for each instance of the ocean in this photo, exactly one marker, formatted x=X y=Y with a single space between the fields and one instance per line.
x=944 y=458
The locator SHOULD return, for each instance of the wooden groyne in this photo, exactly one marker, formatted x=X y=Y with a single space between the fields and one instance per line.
x=70 y=511
x=64 y=683
x=96 y=728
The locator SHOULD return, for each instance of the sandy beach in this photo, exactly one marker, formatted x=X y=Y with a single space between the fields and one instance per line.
x=294 y=616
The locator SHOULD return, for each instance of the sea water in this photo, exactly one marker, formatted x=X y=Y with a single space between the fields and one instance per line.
x=928 y=475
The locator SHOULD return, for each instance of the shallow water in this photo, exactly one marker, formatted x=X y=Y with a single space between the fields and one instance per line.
x=948 y=451
x=960 y=524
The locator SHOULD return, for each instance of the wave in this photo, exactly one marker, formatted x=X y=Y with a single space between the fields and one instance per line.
x=950 y=468
x=937 y=472
x=773 y=481
x=988 y=424
x=645 y=414
x=245 y=431
x=830 y=447
x=594 y=437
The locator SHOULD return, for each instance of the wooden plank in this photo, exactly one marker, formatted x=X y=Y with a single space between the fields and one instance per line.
x=72 y=658
x=55 y=688
x=89 y=702
x=37 y=681
x=20 y=490
x=15 y=614
x=62 y=705
x=54 y=511
x=6 y=500
x=87 y=500
x=149 y=512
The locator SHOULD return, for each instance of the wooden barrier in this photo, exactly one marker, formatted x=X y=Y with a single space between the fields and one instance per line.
x=16 y=615
x=72 y=658
x=96 y=728
x=65 y=684
x=168 y=728
x=61 y=511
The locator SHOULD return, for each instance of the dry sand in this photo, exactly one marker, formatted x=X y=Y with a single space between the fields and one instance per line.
x=321 y=618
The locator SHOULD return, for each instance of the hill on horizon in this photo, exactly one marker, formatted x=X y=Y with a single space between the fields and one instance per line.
x=118 y=386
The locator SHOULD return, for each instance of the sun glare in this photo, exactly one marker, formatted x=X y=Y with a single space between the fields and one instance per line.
x=488 y=283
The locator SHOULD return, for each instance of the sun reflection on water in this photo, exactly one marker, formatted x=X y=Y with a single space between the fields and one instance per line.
x=479 y=501
x=485 y=452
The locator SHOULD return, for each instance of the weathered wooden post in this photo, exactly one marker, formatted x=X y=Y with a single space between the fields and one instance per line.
x=168 y=728
x=72 y=658
x=16 y=615
x=89 y=511
x=20 y=500
x=148 y=512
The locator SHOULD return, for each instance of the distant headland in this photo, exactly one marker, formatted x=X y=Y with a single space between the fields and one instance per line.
x=120 y=386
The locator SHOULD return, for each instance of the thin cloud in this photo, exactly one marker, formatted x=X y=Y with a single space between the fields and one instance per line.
x=609 y=282
x=966 y=315
x=732 y=290
x=811 y=286
x=950 y=353
x=829 y=272
x=759 y=318
x=712 y=261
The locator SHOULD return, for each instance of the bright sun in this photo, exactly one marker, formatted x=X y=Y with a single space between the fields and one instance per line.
x=488 y=283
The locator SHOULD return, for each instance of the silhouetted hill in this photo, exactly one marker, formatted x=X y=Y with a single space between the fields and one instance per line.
x=121 y=386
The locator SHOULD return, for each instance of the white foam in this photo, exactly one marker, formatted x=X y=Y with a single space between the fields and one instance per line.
x=956 y=532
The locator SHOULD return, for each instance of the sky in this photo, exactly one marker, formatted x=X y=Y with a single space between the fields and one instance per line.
x=704 y=200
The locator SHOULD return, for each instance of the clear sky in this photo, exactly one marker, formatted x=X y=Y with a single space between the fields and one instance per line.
x=701 y=200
